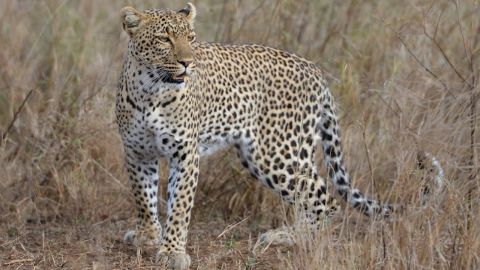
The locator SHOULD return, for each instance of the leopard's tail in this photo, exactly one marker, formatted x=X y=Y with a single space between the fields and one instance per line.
x=329 y=129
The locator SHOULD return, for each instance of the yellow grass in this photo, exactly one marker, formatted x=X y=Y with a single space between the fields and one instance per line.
x=405 y=75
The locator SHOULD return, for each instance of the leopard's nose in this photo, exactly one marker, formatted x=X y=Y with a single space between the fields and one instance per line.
x=185 y=63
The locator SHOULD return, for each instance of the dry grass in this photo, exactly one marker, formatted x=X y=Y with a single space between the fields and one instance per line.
x=406 y=80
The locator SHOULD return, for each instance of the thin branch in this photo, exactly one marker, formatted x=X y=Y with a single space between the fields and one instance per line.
x=10 y=126
x=445 y=56
x=248 y=16
x=276 y=9
x=473 y=106
x=367 y=153
x=427 y=69
x=467 y=49
x=384 y=245
x=220 y=20
x=438 y=22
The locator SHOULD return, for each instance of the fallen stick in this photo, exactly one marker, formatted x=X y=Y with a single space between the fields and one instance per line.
x=17 y=261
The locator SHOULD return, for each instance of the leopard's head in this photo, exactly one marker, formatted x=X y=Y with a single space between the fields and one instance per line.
x=162 y=40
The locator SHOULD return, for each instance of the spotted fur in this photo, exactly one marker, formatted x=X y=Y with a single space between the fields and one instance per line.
x=180 y=99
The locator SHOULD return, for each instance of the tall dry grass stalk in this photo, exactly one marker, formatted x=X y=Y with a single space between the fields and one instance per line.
x=405 y=74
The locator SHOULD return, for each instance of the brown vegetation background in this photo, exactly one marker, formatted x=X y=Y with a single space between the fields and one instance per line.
x=404 y=73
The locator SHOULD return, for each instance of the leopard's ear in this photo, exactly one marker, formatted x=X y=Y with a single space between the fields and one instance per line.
x=190 y=12
x=131 y=19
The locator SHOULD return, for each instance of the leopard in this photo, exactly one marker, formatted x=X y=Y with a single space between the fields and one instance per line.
x=180 y=99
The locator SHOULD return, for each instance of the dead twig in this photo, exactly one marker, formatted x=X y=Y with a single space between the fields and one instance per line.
x=15 y=116
x=445 y=56
x=427 y=69
x=231 y=226
x=473 y=104
x=367 y=152
x=17 y=261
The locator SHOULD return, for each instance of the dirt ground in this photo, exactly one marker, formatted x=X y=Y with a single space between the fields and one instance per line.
x=100 y=246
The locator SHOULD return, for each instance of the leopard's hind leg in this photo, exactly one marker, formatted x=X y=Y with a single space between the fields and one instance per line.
x=290 y=171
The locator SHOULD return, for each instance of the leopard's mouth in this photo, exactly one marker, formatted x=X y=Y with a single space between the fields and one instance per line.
x=174 y=78
x=180 y=78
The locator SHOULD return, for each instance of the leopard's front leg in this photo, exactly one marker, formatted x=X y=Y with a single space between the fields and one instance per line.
x=182 y=184
x=143 y=175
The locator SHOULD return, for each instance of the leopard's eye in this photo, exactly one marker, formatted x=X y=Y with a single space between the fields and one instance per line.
x=163 y=38
x=191 y=38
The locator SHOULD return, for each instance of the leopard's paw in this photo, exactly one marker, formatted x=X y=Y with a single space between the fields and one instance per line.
x=144 y=238
x=277 y=237
x=173 y=260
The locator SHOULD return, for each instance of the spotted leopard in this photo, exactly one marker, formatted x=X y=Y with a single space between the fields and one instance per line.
x=181 y=99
